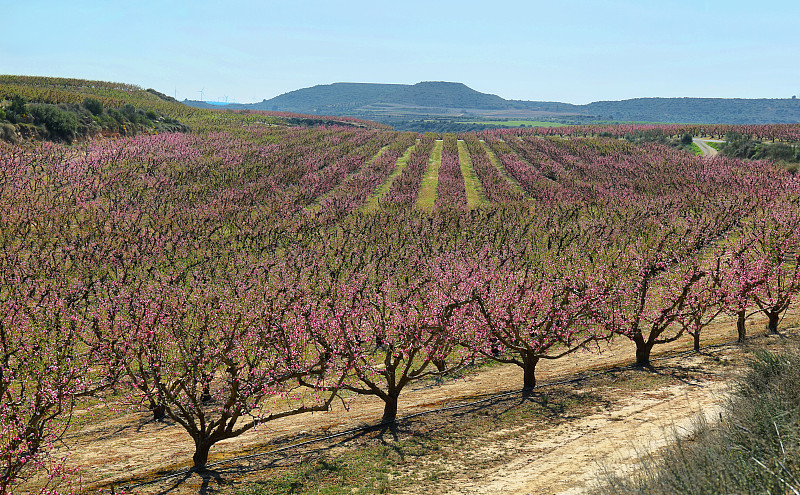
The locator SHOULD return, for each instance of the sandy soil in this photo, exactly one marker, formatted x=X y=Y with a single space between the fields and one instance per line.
x=129 y=447
x=566 y=459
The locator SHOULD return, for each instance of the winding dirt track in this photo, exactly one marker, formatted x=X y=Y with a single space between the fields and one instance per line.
x=558 y=460
x=704 y=147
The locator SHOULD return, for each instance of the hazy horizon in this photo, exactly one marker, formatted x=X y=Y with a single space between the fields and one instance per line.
x=217 y=102
x=249 y=51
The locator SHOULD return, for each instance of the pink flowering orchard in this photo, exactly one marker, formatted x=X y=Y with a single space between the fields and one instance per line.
x=225 y=279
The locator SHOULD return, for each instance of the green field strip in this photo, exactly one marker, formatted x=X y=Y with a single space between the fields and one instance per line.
x=372 y=203
x=475 y=195
x=500 y=168
x=315 y=206
x=513 y=123
x=430 y=181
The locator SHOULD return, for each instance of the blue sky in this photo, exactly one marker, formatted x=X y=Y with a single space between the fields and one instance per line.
x=574 y=51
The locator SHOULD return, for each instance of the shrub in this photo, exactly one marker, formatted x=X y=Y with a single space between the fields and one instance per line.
x=117 y=116
x=739 y=146
x=8 y=132
x=776 y=152
x=58 y=122
x=17 y=110
x=18 y=105
x=93 y=106
x=129 y=111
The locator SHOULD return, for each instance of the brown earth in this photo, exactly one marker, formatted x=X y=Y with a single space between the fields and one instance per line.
x=567 y=459
x=559 y=456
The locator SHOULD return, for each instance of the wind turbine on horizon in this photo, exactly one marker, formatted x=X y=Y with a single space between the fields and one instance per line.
x=201 y=93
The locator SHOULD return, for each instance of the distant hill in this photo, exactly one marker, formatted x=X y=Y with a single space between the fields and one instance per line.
x=392 y=103
x=355 y=96
x=701 y=110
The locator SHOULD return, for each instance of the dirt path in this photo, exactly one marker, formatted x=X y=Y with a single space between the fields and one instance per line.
x=566 y=459
x=129 y=446
x=704 y=147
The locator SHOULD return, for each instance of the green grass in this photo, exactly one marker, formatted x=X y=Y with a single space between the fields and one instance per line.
x=514 y=123
x=500 y=168
x=716 y=146
x=475 y=195
x=430 y=181
x=317 y=204
x=364 y=471
x=372 y=203
x=696 y=149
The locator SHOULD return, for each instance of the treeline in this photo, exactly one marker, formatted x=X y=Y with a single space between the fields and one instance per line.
x=699 y=110
x=740 y=146
x=433 y=124
x=680 y=141
x=773 y=133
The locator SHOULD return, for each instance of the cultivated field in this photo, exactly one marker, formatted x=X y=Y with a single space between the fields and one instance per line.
x=174 y=300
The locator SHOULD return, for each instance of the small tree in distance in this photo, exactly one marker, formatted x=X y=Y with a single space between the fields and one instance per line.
x=93 y=105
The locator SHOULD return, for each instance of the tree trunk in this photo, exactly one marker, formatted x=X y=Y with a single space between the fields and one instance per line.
x=529 y=373
x=440 y=364
x=390 y=409
x=495 y=347
x=159 y=411
x=643 y=350
x=200 y=457
x=740 y=328
x=206 y=396
x=772 y=322
x=696 y=341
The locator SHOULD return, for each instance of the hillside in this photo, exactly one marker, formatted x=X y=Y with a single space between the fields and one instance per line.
x=64 y=109
x=405 y=106
x=700 y=110
x=68 y=109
